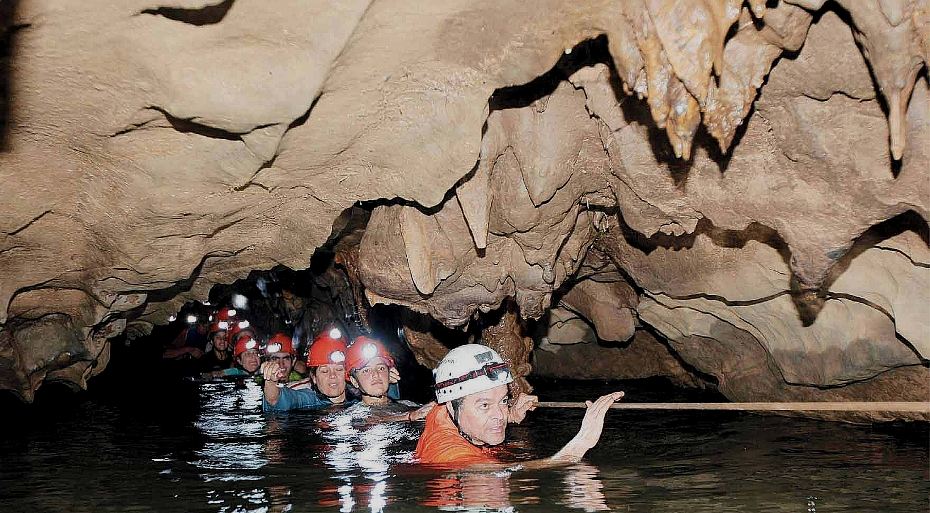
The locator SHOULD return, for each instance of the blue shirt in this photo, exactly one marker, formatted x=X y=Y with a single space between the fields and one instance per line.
x=310 y=399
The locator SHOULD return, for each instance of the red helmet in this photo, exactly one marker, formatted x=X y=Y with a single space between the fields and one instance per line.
x=218 y=326
x=363 y=350
x=226 y=314
x=244 y=343
x=280 y=343
x=326 y=349
x=332 y=331
x=237 y=327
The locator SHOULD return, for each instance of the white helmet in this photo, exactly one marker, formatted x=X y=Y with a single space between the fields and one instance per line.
x=469 y=369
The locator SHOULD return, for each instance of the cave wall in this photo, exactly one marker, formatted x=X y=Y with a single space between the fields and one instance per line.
x=747 y=179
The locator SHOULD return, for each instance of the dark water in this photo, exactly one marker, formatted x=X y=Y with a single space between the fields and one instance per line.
x=209 y=448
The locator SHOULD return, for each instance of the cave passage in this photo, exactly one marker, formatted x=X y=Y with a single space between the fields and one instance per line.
x=243 y=249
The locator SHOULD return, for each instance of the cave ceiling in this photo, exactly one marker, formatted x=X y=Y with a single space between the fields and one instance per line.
x=741 y=178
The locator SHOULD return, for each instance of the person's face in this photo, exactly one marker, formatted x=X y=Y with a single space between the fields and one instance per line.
x=372 y=379
x=202 y=328
x=250 y=361
x=285 y=362
x=219 y=341
x=483 y=415
x=330 y=379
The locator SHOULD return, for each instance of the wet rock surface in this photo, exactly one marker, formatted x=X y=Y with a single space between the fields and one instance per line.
x=748 y=180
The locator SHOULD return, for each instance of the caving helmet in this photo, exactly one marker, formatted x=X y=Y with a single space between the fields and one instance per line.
x=280 y=343
x=244 y=343
x=226 y=314
x=363 y=350
x=333 y=332
x=218 y=326
x=326 y=350
x=469 y=369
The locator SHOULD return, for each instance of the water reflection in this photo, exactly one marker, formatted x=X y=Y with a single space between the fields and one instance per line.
x=360 y=454
x=214 y=451
x=234 y=428
x=505 y=491
x=583 y=488
x=469 y=492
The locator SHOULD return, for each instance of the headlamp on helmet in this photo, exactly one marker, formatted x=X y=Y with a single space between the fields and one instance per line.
x=469 y=369
x=362 y=351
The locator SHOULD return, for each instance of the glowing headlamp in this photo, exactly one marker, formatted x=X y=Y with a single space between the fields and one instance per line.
x=369 y=351
x=191 y=319
x=243 y=325
x=251 y=344
x=239 y=301
x=231 y=312
x=337 y=357
x=223 y=325
x=172 y=318
x=335 y=333
x=273 y=348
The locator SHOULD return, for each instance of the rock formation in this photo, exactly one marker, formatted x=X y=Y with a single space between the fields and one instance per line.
x=749 y=181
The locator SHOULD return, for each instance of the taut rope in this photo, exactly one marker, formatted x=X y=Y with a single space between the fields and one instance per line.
x=899 y=406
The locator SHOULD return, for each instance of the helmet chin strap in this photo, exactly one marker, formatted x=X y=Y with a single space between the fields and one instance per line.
x=465 y=435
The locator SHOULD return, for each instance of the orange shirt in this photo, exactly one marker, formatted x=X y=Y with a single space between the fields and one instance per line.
x=441 y=443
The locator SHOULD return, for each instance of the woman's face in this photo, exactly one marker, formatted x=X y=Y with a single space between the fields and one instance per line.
x=250 y=361
x=219 y=341
x=373 y=379
x=330 y=379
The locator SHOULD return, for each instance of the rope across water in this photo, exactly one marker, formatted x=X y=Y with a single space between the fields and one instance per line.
x=899 y=406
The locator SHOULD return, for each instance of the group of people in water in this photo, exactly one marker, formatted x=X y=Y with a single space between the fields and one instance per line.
x=473 y=406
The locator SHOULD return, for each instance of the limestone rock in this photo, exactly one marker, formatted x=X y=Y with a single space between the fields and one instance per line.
x=738 y=203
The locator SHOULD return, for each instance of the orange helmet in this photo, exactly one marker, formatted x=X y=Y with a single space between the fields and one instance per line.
x=326 y=349
x=363 y=350
x=244 y=343
x=280 y=343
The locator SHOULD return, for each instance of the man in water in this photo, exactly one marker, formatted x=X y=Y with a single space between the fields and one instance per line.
x=280 y=351
x=474 y=408
x=219 y=356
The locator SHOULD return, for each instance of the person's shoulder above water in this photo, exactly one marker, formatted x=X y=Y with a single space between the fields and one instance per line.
x=302 y=399
x=472 y=388
x=442 y=444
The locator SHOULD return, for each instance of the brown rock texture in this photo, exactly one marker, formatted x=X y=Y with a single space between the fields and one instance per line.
x=642 y=357
x=749 y=179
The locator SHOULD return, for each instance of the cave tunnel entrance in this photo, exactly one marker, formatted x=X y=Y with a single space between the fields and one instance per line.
x=303 y=303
